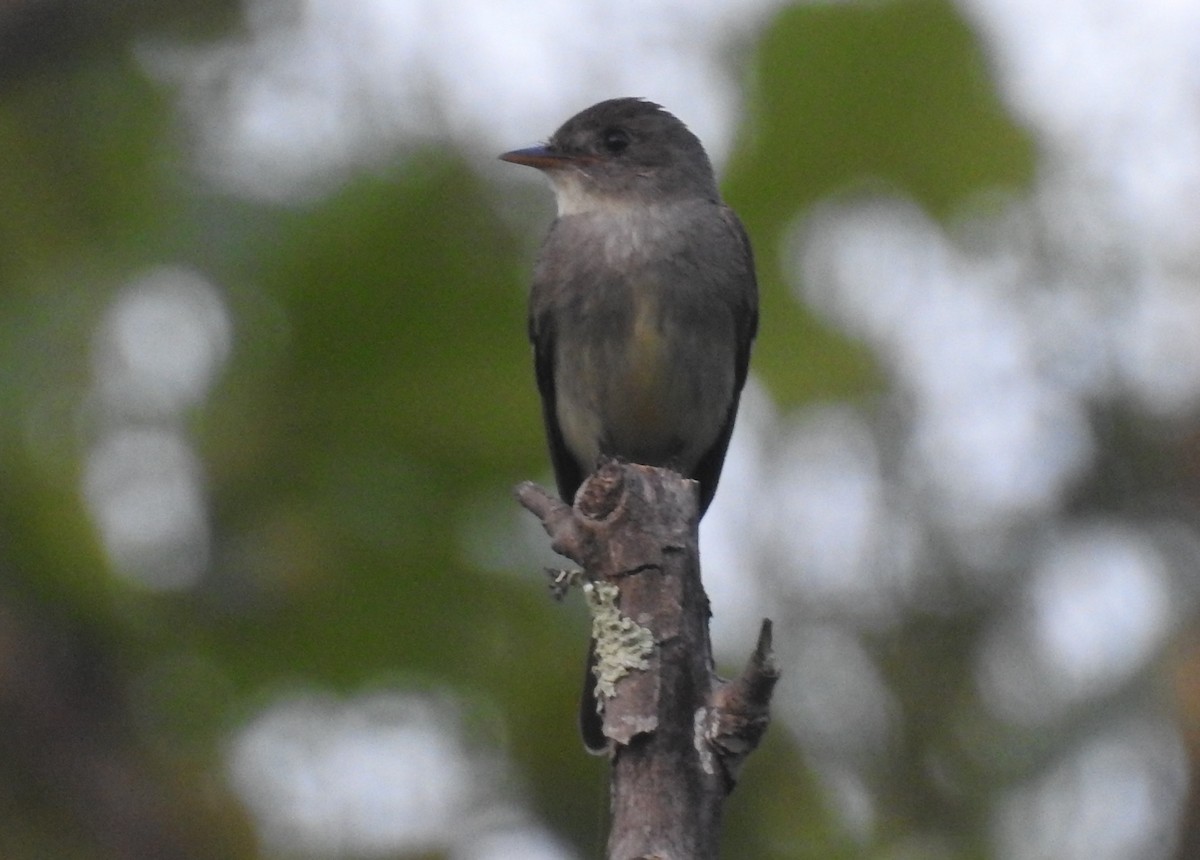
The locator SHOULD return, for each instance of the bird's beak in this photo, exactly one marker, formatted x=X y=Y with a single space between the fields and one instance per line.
x=541 y=157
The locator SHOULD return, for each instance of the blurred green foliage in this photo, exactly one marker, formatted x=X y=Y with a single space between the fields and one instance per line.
x=379 y=393
x=852 y=97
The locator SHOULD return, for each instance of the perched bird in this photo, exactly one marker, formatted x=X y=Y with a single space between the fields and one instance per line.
x=644 y=304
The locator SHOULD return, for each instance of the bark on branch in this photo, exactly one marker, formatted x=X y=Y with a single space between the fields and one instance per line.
x=678 y=734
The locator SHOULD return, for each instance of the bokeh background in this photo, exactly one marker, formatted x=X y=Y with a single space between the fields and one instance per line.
x=264 y=390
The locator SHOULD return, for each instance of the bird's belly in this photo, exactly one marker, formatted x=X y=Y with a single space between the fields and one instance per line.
x=652 y=397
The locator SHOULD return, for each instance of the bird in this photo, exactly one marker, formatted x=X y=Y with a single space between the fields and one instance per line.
x=643 y=308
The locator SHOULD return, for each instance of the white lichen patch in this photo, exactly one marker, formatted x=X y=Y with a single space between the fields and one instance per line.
x=702 y=729
x=622 y=645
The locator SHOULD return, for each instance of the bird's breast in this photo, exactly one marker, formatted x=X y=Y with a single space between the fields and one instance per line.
x=645 y=347
x=635 y=381
x=644 y=377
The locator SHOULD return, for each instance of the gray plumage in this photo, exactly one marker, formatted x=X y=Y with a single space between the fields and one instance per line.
x=644 y=303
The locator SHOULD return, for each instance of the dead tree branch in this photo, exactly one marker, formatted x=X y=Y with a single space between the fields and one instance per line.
x=678 y=734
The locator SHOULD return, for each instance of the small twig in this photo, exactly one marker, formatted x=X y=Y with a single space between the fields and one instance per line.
x=739 y=712
x=561 y=581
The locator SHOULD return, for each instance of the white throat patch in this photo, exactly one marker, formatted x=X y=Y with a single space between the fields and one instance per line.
x=575 y=198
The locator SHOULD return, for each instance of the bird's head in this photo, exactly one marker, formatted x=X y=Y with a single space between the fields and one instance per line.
x=621 y=152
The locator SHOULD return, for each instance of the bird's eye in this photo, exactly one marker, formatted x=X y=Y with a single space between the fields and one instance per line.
x=615 y=139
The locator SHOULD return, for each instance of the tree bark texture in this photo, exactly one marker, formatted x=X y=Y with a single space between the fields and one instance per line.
x=677 y=733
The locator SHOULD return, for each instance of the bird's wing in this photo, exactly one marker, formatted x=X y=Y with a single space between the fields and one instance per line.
x=542 y=335
x=744 y=305
x=746 y=310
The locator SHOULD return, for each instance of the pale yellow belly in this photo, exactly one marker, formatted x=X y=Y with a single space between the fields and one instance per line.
x=658 y=396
